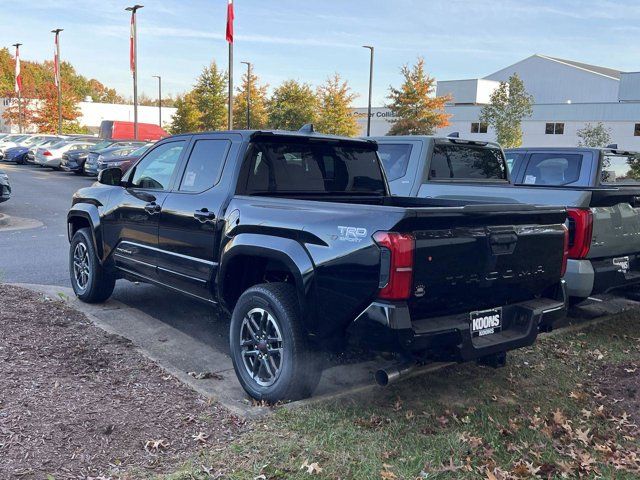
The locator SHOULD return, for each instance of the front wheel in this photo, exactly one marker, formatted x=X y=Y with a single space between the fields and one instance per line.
x=270 y=350
x=90 y=281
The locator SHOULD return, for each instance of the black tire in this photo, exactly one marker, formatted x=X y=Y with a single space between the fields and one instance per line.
x=95 y=285
x=78 y=172
x=299 y=368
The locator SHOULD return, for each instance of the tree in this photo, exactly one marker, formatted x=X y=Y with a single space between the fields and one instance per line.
x=259 y=117
x=45 y=116
x=594 y=135
x=187 y=117
x=335 y=98
x=292 y=105
x=508 y=105
x=210 y=97
x=415 y=109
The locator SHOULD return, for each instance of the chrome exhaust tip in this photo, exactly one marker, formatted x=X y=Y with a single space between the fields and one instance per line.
x=385 y=376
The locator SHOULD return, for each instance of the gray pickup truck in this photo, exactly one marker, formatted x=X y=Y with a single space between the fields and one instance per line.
x=599 y=187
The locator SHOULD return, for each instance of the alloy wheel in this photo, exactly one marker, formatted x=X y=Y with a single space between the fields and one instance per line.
x=261 y=346
x=81 y=268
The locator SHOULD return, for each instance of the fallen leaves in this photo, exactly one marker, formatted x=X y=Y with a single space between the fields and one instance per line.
x=311 y=468
x=155 y=446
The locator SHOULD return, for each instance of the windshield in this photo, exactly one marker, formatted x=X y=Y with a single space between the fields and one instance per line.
x=101 y=145
x=621 y=169
x=311 y=167
x=139 y=151
x=467 y=162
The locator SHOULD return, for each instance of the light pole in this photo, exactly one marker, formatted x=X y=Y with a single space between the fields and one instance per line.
x=248 y=64
x=133 y=63
x=370 y=88
x=56 y=32
x=18 y=87
x=159 y=99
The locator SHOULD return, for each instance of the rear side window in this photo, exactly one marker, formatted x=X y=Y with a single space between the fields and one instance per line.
x=204 y=165
x=395 y=159
x=620 y=169
x=467 y=162
x=308 y=168
x=513 y=159
x=552 y=169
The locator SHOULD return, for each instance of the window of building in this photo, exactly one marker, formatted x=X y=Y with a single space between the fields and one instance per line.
x=554 y=128
x=479 y=127
x=636 y=130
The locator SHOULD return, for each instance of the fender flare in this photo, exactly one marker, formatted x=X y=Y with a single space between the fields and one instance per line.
x=288 y=251
x=90 y=213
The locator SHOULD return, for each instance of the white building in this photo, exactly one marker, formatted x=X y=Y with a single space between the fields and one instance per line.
x=92 y=114
x=567 y=95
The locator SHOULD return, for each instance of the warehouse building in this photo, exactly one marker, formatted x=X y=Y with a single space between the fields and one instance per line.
x=567 y=96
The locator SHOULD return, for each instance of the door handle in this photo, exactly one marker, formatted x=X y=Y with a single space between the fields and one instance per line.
x=204 y=215
x=152 y=208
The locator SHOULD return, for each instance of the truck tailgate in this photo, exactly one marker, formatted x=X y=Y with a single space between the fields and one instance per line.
x=483 y=256
x=616 y=222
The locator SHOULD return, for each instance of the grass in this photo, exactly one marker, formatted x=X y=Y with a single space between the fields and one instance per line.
x=543 y=415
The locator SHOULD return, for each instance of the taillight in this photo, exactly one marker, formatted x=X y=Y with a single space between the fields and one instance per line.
x=580 y=231
x=47 y=153
x=396 y=268
x=565 y=251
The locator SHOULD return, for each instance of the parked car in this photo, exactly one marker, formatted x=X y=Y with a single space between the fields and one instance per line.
x=19 y=153
x=123 y=159
x=296 y=235
x=10 y=141
x=119 y=130
x=601 y=189
x=96 y=156
x=30 y=156
x=5 y=187
x=51 y=155
x=73 y=160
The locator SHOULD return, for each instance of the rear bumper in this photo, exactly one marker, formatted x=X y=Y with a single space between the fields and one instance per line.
x=71 y=166
x=590 y=277
x=389 y=327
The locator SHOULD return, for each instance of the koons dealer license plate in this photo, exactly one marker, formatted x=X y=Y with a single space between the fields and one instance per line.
x=486 y=322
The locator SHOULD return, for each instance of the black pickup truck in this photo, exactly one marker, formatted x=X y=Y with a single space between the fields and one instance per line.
x=297 y=236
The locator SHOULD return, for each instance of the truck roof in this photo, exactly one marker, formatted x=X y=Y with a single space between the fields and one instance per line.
x=559 y=149
x=248 y=135
x=439 y=138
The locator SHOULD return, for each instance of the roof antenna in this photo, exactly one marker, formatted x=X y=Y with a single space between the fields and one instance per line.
x=454 y=135
x=307 y=128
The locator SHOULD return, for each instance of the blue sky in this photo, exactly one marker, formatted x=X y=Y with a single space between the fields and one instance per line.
x=311 y=39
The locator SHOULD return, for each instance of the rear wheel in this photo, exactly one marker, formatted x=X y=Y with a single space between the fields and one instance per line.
x=270 y=350
x=90 y=281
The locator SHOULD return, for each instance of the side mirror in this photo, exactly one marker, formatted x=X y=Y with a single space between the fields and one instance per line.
x=110 y=176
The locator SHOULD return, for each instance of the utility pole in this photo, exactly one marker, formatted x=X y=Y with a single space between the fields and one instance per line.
x=133 y=63
x=370 y=88
x=248 y=64
x=159 y=99
x=18 y=86
x=56 y=32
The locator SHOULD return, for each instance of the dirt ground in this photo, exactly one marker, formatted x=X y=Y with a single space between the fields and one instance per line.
x=77 y=402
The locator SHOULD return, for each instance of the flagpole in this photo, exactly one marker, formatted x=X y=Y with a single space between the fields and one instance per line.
x=134 y=32
x=58 y=79
x=230 y=107
x=19 y=88
x=229 y=36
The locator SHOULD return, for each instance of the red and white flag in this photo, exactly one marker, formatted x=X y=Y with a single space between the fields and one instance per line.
x=56 y=63
x=132 y=45
x=18 y=86
x=230 y=17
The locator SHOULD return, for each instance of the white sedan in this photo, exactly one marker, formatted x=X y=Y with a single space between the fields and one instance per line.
x=51 y=155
